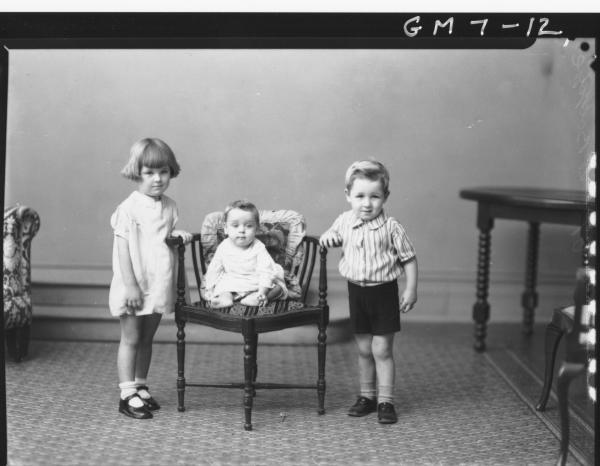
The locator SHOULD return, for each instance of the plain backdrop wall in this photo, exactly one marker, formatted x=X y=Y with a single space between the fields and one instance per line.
x=280 y=127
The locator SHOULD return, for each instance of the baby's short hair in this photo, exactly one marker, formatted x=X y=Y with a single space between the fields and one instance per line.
x=242 y=204
x=371 y=170
x=151 y=153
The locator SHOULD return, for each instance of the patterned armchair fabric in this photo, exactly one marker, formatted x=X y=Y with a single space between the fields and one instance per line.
x=20 y=226
x=281 y=231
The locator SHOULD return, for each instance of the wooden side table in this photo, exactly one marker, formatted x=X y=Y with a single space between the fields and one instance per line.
x=532 y=205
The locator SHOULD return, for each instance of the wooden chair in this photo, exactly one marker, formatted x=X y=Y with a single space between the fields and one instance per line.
x=20 y=226
x=572 y=323
x=283 y=234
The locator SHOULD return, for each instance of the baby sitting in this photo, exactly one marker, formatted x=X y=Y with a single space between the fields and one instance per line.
x=242 y=269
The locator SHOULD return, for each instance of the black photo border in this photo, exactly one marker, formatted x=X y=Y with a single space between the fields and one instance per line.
x=153 y=30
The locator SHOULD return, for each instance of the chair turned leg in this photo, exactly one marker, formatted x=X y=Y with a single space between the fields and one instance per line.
x=321 y=348
x=566 y=373
x=553 y=336
x=249 y=362
x=254 y=358
x=17 y=342
x=180 y=365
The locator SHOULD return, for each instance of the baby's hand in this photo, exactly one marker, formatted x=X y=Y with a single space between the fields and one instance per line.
x=408 y=300
x=187 y=237
x=330 y=239
x=262 y=299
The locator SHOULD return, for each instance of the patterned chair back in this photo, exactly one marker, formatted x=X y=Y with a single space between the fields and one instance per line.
x=20 y=226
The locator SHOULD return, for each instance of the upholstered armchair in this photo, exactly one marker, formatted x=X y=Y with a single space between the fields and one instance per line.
x=20 y=226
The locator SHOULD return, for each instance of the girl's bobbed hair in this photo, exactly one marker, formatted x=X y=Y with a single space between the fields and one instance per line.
x=151 y=153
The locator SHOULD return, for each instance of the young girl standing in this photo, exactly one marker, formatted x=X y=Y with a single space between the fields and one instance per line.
x=142 y=288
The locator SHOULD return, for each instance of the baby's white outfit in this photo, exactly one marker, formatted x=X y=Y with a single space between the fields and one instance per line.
x=145 y=223
x=236 y=270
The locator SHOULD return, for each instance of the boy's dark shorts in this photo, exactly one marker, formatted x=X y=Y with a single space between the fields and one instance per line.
x=374 y=309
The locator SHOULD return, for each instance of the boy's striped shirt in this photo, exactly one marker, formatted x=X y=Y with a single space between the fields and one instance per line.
x=372 y=252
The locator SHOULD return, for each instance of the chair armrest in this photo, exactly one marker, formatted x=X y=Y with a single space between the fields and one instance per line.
x=322 y=274
x=178 y=240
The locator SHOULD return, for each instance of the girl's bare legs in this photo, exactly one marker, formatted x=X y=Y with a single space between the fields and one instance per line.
x=127 y=357
x=148 y=327
x=128 y=347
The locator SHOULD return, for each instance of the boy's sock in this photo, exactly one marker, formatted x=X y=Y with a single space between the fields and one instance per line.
x=128 y=389
x=367 y=389
x=144 y=394
x=386 y=394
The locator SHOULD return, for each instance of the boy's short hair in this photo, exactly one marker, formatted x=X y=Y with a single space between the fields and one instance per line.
x=151 y=153
x=371 y=170
x=242 y=204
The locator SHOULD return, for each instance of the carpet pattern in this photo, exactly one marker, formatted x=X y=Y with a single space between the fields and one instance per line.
x=455 y=407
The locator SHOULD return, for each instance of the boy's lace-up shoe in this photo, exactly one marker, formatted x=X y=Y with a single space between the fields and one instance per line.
x=362 y=407
x=386 y=414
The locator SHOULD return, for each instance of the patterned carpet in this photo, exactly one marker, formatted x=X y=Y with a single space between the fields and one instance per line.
x=455 y=407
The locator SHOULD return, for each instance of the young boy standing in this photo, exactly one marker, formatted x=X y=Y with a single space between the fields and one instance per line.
x=376 y=251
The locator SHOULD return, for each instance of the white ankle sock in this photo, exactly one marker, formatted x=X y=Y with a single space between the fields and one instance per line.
x=128 y=389
x=144 y=394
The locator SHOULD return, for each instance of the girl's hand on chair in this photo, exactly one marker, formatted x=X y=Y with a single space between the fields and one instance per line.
x=134 y=299
x=407 y=300
x=187 y=237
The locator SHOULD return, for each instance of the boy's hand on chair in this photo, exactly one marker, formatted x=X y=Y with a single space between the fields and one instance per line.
x=408 y=300
x=187 y=237
x=330 y=239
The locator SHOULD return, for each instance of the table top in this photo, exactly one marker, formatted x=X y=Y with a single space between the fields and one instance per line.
x=542 y=198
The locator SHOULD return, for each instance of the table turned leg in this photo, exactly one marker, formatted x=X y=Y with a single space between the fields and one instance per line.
x=481 y=308
x=529 y=298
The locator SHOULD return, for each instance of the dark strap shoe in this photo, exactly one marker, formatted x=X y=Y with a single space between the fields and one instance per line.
x=150 y=403
x=362 y=407
x=386 y=414
x=136 y=413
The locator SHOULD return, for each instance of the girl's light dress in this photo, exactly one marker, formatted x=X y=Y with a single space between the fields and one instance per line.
x=145 y=223
x=241 y=271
